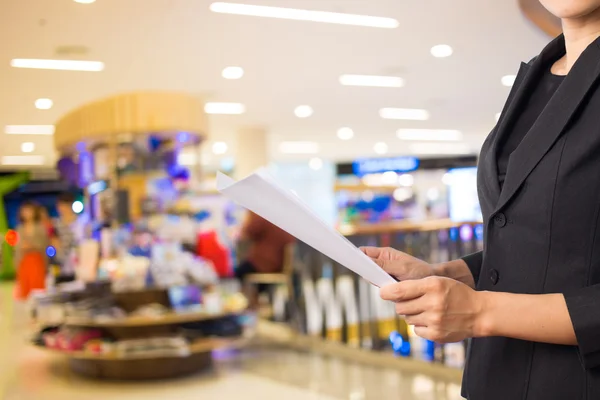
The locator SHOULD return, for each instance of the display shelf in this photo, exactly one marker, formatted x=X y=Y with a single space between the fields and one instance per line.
x=400 y=227
x=165 y=319
x=198 y=346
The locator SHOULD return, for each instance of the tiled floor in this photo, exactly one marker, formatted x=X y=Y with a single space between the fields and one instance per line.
x=262 y=373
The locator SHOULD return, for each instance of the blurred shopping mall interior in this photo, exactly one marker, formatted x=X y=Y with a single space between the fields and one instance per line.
x=137 y=134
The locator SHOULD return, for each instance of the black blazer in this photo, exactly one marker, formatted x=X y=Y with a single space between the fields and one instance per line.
x=542 y=236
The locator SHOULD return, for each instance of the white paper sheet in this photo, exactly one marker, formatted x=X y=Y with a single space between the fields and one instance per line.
x=261 y=194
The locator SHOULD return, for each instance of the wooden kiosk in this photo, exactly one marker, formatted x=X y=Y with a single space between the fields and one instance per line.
x=105 y=125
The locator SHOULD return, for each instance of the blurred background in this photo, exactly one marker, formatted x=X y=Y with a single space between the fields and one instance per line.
x=124 y=272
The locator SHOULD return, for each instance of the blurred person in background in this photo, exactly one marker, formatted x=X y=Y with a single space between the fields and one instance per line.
x=530 y=300
x=30 y=251
x=69 y=233
x=266 y=247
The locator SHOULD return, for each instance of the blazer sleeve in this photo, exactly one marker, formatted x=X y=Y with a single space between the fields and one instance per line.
x=474 y=262
x=583 y=309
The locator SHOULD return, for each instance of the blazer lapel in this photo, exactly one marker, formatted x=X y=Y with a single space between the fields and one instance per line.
x=489 y=162
x=556 y=115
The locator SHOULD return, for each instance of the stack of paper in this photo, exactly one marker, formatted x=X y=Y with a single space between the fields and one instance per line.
x=260 y=194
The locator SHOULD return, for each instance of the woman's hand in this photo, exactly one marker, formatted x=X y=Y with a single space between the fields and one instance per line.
x=398 y=264
x=441 y=309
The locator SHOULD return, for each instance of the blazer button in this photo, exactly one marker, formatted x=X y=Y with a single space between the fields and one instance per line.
x=494 y=276
x=500 y=220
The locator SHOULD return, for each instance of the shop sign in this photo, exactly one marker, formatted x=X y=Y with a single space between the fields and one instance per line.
x=367 y=166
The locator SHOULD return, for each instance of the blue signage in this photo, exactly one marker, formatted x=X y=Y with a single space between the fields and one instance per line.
x=367 y=166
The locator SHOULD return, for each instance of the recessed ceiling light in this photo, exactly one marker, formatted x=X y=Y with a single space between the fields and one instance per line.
x=441 y=51
x=303 y=15
x=22 y=160
x=219 y=148
x=372 y=81
x=498 y=116
x=85 y=1
x=315 y=164
x=440 y=149
x=233 y=73
x=303 y=111
x=508 y=80
x=27 y=147
x=299 y=147
x=380 y=148
x=411 y=114
x=43 y=104
x=224 y=108
x=429 y=135
x=29 y=129
x=345 y=133
x=64 y=65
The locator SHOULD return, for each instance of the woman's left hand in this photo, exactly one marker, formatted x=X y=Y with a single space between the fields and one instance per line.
x=441 y=309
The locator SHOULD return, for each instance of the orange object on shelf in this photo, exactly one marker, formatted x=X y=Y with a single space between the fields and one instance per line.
x=209 y=248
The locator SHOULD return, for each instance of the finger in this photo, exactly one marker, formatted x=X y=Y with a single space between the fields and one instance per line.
x=373 y=252
x=411 y=307
x=403 y=291
x=424 y=332
x=418 y=320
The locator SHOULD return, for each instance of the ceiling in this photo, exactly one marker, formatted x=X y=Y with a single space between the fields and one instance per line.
x=182 y=45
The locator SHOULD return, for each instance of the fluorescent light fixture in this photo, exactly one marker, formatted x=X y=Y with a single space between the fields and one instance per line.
x=43 y=104
x=22 y=160
x=299 y=147
x=224 y=108
x=85 y=1
x=498 y=116
x=233 y=73
x=380 y=148
x=441 y=51
x=429 y=135
x=508 y=80
x=315 y=164
x=303 y=15
x=220 y=148
x=440 y=149
x=409 y=114
x=64 y=65
x=29 y=129
x=27 y=147
x=372 y=81
x=345 y=133
x=303 y=111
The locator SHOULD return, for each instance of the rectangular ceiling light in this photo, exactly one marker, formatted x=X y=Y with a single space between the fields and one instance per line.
x=22 y=160
x=410 y=114
x=29 y=129
x=224 y=108
x=64 y=65
x=299 y=147
x=440 y=149
x=429 y=135
x=372 y=80
x=304 y=15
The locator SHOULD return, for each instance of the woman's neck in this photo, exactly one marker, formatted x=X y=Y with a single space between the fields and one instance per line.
x=579 y=34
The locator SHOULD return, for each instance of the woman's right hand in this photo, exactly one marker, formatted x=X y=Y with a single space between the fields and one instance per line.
x=398 y=264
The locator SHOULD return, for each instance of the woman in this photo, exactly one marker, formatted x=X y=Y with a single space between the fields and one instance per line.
x=531 y=299
x=30 y=250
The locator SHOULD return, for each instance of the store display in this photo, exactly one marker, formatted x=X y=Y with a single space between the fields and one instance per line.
x=260 y=194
